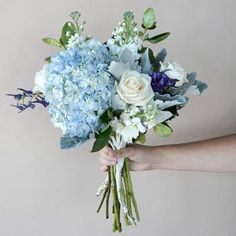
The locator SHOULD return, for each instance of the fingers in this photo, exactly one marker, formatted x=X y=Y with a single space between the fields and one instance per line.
x=103 y=168
x=126 y=152
x=107 y=157
x=107 y=160
x=107 y=151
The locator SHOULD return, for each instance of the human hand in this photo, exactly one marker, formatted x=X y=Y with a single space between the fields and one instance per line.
x=140 y=157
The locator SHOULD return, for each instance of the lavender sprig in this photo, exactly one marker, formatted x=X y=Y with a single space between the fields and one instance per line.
x=28 y=99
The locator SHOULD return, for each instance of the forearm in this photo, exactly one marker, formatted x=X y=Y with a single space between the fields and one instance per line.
x=217 y=155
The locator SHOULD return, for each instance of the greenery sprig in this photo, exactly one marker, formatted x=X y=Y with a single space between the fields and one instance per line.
x=149 y=23
x=69 y=29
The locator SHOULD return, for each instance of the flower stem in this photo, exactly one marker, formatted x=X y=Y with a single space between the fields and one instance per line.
x=103 y=198
x=127 y=191
x=108 y=193
x=117 y=224
x=126 y=163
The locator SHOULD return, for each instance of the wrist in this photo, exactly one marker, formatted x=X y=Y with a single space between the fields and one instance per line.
x=158 y=158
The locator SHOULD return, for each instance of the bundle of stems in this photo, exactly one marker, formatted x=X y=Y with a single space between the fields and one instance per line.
x=127 y=193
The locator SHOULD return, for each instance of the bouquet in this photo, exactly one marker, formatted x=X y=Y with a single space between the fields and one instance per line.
x=114 y=92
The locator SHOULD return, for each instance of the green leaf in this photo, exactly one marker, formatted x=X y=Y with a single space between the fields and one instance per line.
x=107 y=115
x=68 y=30
x=146 y=37
x=102 y=140
x=158 y=38
x=151 y=56
x=173 y=110
x=48 y=59
x=141 y=138
x=140 y=34
x=52 y=42
x=149 y=19
x=163 y=130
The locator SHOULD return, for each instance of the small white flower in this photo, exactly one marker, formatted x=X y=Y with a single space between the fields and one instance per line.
x=133 y=110
x=128 y=131
x=139 y=125
x=175 y=71
x=134 y=88
x=40 y=79
x=129 y=126
x=75 y=40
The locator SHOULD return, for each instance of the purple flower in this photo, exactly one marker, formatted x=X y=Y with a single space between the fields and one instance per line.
x=28 y=99
x=160 y=82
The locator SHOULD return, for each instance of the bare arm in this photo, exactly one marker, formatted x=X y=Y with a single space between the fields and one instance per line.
x=216 y=155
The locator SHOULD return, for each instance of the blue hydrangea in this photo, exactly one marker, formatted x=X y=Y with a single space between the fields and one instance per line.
x=78 y=90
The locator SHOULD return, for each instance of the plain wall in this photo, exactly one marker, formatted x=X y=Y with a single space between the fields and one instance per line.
x=45 y=191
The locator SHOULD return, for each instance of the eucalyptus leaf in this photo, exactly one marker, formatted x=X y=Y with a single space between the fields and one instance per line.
x=200 y=85
x=158 y=38
x=127 y=57
x=117 y=69
x=145 y=62
x=164 y=101
x=192 y=77
x=192 y=87
x=163 y=130
x=161 y=56
x=149 y=19
x=68 y=30
x=184 y=88
x=52 y=42
x=70 y=142
x=102 y=140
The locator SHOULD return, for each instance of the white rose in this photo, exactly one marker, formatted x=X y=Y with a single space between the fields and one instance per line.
x=40 y=79
x=134 y=88
x=175 y=71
